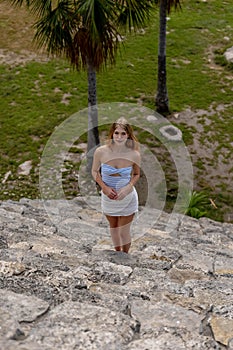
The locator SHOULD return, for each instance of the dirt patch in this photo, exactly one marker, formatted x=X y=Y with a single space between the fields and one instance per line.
x=18 y=59
x=211 y=160
x=16 y=40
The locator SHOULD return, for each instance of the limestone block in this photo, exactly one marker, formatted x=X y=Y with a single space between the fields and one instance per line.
x=145 y=279
x=6 y=215
x=20 y=245
x=222 y=329
x=181 y=276
x=111 y=272
x=196 y=260
x=25 y=168
x=212 y=292
x=165 y=341
x=23 y=308
x=154 y=316
x=229 y=54
x=9 y=325
x=13 y=345
x=75 y=325
x=225 y=310
x=152 y=118
x=11 y=206
x=224 y=265
x=171 y=132
x=10 y=268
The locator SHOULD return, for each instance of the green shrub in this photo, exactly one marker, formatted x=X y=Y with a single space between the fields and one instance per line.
x=195 y=204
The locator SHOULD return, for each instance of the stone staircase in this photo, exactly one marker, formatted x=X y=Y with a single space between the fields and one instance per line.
x=64 y=287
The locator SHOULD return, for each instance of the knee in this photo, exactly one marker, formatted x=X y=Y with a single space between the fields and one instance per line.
x=113 y=225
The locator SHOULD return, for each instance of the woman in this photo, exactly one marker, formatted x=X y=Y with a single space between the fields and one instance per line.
x=116 y=168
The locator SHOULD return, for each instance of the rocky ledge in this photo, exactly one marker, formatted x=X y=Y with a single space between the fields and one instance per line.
x=66 y=288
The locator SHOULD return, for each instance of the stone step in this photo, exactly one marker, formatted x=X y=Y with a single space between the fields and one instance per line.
x=62 y=285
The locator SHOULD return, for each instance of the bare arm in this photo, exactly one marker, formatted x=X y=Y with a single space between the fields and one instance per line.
x=136 y=169
x=124 y=191
x=95 y=171
x=108 y=191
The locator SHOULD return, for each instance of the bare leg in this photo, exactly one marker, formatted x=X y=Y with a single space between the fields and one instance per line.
x=120 y=231
x=114 y=230
x=124 y=223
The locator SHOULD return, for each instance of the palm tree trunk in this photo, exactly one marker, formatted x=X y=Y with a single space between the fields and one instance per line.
x=162 y=95
x=93 y=133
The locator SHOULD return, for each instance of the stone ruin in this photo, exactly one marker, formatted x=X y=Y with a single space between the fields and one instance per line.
x=64 y=287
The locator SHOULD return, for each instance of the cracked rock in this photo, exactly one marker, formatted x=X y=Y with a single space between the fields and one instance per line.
x=62 y=285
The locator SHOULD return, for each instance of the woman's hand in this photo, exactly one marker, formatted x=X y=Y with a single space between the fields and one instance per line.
x=124 y=191
x=109 y=192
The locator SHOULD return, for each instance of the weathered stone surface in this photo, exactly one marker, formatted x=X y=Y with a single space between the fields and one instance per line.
x=171 y=133
x=229 y=54
x=24 y=308
x=25 y=168
x=222 y=329
x=83 y=326
x=9 y=325
x=62 y=286
x=11 y=268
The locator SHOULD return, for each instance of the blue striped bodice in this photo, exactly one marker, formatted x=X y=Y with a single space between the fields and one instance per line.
x=115 y=178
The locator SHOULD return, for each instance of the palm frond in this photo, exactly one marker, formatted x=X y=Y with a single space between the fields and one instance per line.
x=96 y=15
x=54 y=30
x=134 y=13
x=40 y=8
x=19 y=3
x=94 y=52
x=176 y=4
x=101 y=36
x=37 y=7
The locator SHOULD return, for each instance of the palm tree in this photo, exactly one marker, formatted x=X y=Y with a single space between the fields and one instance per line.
x=86 y=33
x=162 y=102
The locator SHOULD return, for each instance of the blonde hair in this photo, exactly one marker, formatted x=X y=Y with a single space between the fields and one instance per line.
x=132 y=141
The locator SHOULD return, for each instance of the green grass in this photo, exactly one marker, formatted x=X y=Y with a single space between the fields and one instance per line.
x=32 y=95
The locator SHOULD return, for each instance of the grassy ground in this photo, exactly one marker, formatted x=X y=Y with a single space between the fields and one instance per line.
x=38 y=96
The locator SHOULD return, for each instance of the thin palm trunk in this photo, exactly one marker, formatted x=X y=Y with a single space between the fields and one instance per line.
x=162 y=95
x=93 y=133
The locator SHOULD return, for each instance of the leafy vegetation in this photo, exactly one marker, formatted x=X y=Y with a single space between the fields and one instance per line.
x=196 y=204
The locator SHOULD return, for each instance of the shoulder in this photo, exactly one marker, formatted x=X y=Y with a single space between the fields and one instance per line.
x=101 y=150
x=136 y=156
